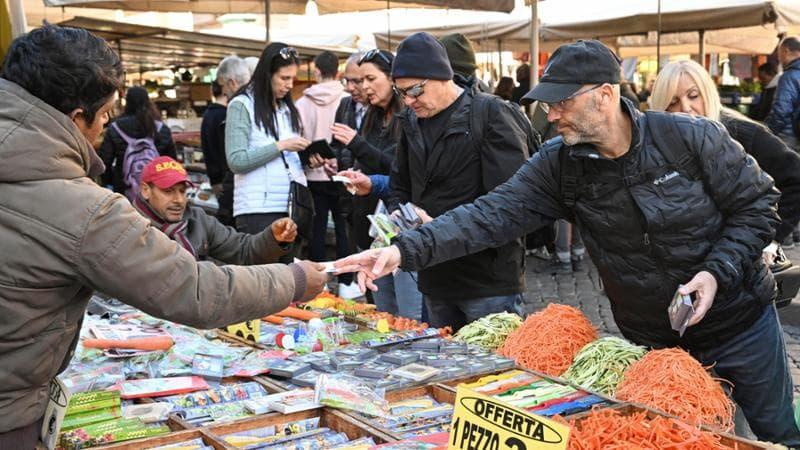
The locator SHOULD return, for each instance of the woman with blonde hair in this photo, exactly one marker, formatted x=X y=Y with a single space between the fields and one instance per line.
x=686 y=87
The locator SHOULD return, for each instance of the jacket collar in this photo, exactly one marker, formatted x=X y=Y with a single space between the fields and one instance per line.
x=794 y=65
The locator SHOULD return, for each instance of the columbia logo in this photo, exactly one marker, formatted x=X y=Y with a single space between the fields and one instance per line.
x=664 y=178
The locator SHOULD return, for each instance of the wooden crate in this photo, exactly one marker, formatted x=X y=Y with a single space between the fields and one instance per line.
x=330 y=418
x=172 y=438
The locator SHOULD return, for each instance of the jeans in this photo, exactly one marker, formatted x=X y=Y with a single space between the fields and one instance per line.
x=256 y=223
x=398 y=295
x=755 y=362
x=327 y=198
x=569 y=244
x=458 y=313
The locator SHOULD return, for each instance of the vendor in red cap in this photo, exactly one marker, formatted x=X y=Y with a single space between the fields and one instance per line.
x=163 y=200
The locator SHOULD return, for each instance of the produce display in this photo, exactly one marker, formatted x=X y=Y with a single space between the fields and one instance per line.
x=489 y=332
x=549 y=340
x=681 y=386
x=601 y=364
x=609 y=428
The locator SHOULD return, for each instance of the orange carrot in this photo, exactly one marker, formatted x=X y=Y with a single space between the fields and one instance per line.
x=610 y=429
x=673 y=381
x=549 y=340
x=297 y=313
x=147 y=343
x=277 y=320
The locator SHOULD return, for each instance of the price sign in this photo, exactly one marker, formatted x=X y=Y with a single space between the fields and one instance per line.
x=484 y=423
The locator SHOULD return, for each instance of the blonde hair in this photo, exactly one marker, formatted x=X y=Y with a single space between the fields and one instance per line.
x=666 y=86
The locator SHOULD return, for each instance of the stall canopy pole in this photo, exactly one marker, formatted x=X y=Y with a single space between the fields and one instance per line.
x=388 y=25
x=500 y=57
x=658 y=40
x=266 y=18
x=701 y=53
x=534 y=42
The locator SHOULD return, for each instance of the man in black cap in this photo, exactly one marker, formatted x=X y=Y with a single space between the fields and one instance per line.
x=664 y=202
x=456 y=145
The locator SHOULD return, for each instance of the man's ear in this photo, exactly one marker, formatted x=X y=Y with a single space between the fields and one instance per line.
x=144 y=189
x=77 y=117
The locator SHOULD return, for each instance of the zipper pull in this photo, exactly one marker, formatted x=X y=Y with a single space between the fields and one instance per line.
x=646 y=239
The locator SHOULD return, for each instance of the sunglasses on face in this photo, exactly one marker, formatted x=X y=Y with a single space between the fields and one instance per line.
x=412 y=92
x=559 y=106
x=371 y=55
x=288 y=53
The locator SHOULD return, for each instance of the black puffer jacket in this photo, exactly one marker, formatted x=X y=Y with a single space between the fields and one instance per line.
x=646 y=239
x=776 y=158
x=457 y=171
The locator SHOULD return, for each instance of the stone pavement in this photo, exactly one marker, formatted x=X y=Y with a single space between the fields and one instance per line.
x=582 y=290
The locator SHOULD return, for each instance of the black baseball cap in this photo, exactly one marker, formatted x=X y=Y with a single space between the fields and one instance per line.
x=570 y=67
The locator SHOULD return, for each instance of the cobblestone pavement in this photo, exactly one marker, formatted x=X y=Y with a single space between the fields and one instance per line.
x=582 y=290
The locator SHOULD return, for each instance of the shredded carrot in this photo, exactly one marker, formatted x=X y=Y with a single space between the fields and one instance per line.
x=297 y=313
x=673 y=381
x=277 y=320
x=145 y=343
x=549 y=340
x=610 y=429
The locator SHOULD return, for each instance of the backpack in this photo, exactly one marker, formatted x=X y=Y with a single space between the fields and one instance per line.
x=138 y=153
x=666 y=136
x=479 y=116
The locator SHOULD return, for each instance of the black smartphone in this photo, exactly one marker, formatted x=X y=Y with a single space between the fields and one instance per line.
x=322 y=148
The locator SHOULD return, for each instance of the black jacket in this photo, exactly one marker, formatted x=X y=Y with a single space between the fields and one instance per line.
x=454 y=172
x=212 y=139
x=644 y=239
x=776 y=158
x=112 y=151
x=346 y=114
x=761 y=110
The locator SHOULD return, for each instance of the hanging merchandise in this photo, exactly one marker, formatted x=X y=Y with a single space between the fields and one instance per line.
x=600 y=364
x=673 y=381
x=548 y=340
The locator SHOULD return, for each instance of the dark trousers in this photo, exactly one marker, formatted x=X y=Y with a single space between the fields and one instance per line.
x=755 y=362
x=457 y=313
x=256 y=223
x=327 y=198
x=25 y=438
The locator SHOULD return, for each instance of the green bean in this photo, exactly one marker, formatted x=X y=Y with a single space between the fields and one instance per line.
x=600 y=364
x=490 y=331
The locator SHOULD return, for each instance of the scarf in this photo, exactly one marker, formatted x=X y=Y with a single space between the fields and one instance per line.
x=175 y=231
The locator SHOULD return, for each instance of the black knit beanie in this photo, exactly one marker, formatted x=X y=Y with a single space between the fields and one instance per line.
x=421 y=56
x=460 y=52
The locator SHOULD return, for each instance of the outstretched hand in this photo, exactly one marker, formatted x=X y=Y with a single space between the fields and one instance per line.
x=704 y=285
x=370 y=265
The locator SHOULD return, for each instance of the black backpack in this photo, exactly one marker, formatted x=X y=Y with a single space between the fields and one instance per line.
x=479 y=115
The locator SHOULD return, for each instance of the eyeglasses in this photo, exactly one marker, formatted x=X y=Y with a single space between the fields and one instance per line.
x=355 y=81
x=412 y=92
x=289 y=53
x=559 y=106
x=371 y=55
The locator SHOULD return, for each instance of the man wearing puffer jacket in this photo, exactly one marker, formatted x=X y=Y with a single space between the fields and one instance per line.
x=786 y=105
x=649 y=225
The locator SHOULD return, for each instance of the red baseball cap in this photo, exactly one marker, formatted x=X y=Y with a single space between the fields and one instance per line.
x=165 y=172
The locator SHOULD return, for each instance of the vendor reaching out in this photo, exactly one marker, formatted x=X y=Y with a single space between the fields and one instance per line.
x=661 y=200
x=163 y=200
x=62 y=236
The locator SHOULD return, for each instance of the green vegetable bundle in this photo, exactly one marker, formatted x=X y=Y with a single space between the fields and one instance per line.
x=490 y=331
x=601 y=363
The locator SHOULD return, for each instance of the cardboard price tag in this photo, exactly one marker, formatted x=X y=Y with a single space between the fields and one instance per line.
x=250 y=330
x=483 y=423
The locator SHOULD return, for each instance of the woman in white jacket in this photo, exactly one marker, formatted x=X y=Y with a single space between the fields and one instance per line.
x=263 y=134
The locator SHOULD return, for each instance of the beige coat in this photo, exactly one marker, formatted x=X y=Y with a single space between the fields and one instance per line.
x=62 y=236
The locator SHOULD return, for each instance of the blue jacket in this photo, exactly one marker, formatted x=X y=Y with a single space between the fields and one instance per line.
x=786 y=105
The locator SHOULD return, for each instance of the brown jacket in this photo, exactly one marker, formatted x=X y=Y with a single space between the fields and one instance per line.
x=62 y=236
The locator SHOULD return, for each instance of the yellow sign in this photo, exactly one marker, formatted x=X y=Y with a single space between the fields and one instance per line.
x=484 y=423
x=250 y=330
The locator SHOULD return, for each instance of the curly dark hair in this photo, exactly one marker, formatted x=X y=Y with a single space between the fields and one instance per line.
x=67 y=68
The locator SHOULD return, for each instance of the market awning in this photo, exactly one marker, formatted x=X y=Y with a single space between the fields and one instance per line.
x=280 y=6
x=145 y=48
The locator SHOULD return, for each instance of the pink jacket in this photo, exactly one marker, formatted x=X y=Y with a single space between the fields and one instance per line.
x=317 y=108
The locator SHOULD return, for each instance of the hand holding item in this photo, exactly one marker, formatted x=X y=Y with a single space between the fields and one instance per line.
x=331 y=166
x=297 y=144
x=315 y=161
x=316 y=278
x=423 y=215
x=360 y=182
x=704 y=285
x=370 y=265
x=343 y=133
x=284 y=230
